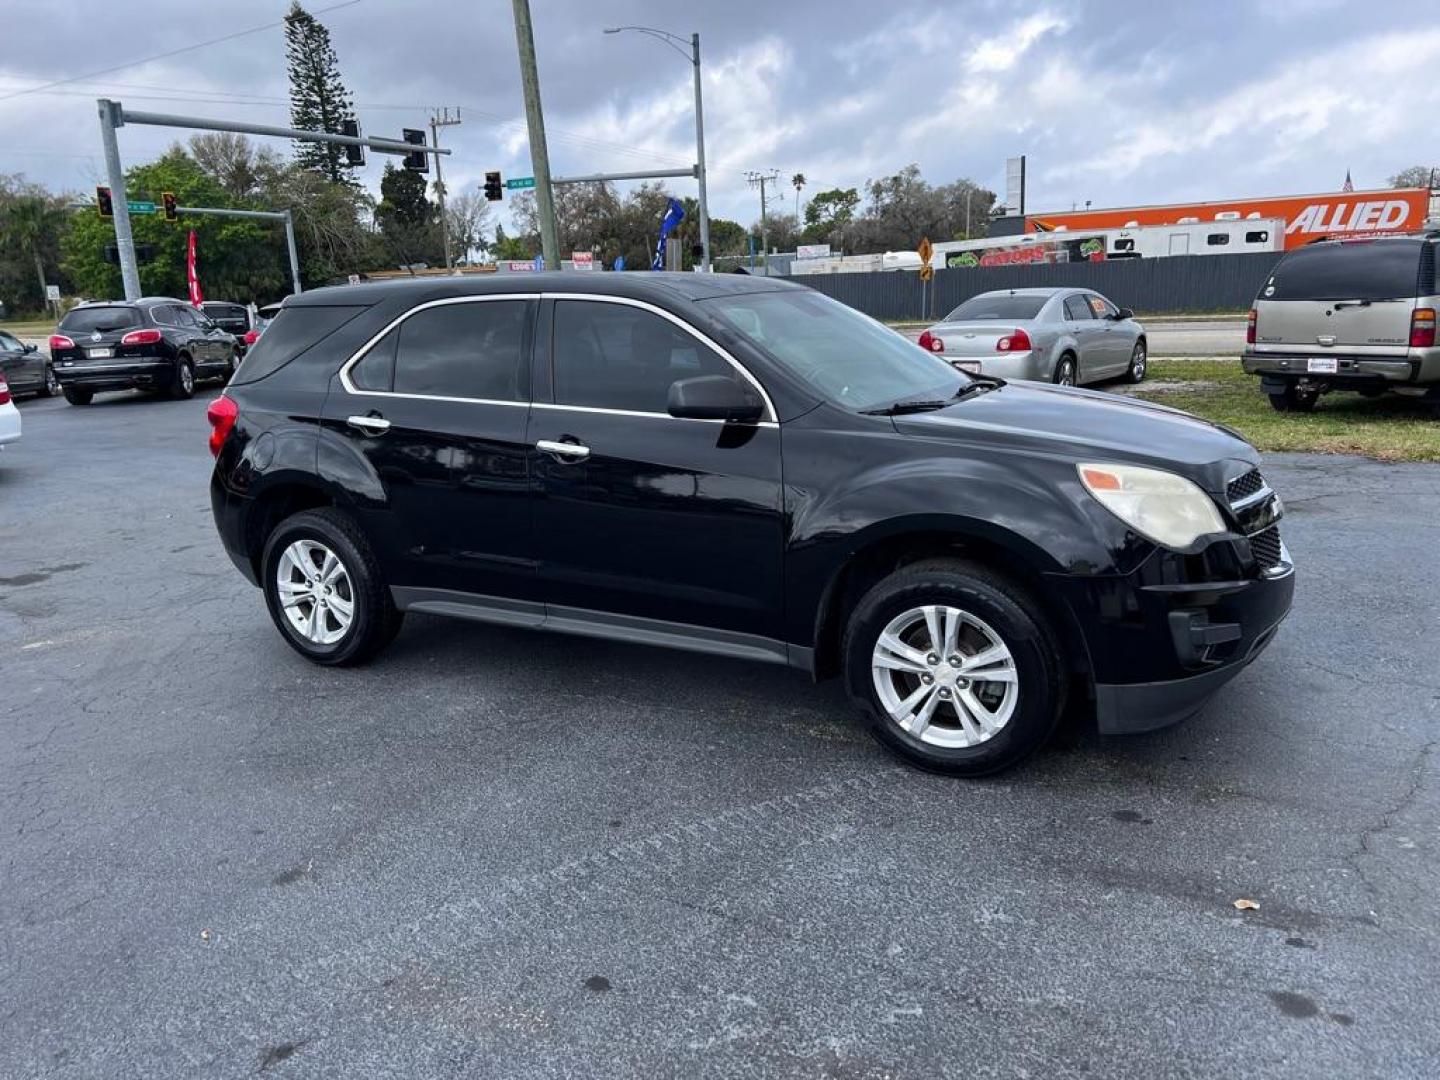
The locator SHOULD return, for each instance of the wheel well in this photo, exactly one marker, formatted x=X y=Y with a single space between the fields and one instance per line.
x=274 y=506
x=871 y=565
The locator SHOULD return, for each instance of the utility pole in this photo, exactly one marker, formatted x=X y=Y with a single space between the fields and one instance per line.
x=535 y=120
x=760 y=179
x=437 y=121
x=111 y=117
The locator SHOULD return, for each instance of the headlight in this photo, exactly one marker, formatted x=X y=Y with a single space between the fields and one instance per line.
x=1166 y=508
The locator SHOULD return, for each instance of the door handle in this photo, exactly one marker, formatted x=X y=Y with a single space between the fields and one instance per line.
x=371 y=425
x=570 y=450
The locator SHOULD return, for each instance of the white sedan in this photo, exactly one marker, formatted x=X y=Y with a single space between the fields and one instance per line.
x=9 y=415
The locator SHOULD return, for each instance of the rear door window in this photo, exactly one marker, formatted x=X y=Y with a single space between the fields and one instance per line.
x=88 y=319
x=470 y=350
x=1363 y=270
x=1076 y=310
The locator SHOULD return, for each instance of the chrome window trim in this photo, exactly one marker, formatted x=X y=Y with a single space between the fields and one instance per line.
x=768 y=418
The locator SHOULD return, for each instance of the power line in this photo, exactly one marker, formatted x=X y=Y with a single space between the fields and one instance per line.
x=166 y=55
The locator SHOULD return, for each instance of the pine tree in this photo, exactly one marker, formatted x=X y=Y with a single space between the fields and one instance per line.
x=318 y=99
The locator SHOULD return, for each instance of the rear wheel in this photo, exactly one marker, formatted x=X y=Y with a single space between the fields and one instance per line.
x=1065 y=371
x=182 y=383
x=76 y=396
x=955 y=668
x=324 y=590
x=1292 y=399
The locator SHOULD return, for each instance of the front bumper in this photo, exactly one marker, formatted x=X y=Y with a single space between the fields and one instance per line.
x=119 y=374
x=1160 y=646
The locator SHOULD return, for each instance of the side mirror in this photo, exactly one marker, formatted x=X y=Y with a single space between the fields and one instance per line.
x=714 y=397
x=29 y=347
x=1124 y=313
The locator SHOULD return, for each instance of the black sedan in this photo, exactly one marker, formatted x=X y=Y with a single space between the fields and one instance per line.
x=155 y=343
x=26 y=368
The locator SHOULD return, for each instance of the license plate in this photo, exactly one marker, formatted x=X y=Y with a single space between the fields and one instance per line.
x=972 y=366
x=1326 y=365
x=99 y=354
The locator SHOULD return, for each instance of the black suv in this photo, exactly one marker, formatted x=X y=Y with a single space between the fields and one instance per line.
x=155 y=343
x=744 y=467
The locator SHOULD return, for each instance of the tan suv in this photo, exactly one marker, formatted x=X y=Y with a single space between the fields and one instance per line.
x=1347 y=315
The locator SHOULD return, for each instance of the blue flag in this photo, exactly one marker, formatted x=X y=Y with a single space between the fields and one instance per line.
x=674 y=213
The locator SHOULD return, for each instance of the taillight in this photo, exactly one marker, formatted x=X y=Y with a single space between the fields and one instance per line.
x=1250 y=321
x=930 y=343
x=141 y=337
x=60 y=341
x=1015 y=341
x=4 y=391
x=222 y=414
x=1422 y=328
x=251 y=336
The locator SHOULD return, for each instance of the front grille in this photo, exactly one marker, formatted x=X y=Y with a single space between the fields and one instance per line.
x=1242 y=487
x=1265 y=546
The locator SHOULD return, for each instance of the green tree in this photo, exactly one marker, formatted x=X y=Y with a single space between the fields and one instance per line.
x=318 y=99
x=510 y=248
x=32 y=222
x=409 y=222
x=238 y=260
x=828 y=216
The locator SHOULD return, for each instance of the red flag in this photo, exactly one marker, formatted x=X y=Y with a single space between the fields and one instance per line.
x=196 y=296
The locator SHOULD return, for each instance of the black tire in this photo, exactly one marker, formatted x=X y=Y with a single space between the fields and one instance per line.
x=375 y=621
x=182 y=382
x=1139 y=362
x=1010 y=612
x=1292 y=399
x=50 y=385
x=1066 y=372
x=77 y=396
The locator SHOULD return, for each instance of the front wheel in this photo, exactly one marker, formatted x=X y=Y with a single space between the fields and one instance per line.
x=1136 y=371
x=324 y=590
x=1065 y=371
x=954 y=667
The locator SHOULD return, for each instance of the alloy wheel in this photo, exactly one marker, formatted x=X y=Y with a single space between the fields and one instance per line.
x=315 y=592
x=944 y=676
x=187 y=378
x=1066 y=375
x=1137 y=362
x=52 y=384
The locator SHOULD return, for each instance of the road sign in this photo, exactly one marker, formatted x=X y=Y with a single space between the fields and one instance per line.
x=925 y=250
x=926 y=272
x=517 y=182
x=52 y=292
x=583 y=260
x=140 y=207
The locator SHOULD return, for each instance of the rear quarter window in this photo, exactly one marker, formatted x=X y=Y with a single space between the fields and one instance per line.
x=294 y=331
x=1379 y=270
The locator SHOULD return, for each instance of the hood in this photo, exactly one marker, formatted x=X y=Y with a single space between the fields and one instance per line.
x=1089 y=425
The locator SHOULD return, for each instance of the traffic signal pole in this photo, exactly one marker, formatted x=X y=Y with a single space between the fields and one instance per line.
x=113 y=116
x=282 y=216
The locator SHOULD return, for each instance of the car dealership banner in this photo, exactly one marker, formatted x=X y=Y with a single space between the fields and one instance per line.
x=1307 y=217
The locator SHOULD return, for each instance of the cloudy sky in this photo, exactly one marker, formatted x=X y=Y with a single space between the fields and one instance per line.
x=1113 y=102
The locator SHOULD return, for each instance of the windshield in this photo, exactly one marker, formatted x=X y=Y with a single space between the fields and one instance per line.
x=84 y=320
x=848 y=358
x=1005 y=306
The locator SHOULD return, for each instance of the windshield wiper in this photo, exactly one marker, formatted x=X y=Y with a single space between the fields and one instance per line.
x=899 y=408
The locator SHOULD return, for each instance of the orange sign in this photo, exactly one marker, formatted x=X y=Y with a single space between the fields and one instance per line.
x=1307 y=217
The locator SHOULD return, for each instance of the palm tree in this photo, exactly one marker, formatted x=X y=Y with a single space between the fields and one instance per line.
x=799 y=181
x=35 y=221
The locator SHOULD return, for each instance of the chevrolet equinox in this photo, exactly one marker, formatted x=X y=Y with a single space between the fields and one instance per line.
x=746 y=468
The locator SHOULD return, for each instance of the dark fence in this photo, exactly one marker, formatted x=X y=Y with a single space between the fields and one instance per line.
x=1152 y=286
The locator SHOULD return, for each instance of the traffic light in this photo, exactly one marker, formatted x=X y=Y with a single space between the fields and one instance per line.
x=418 y=161
x=354 y=155
x=167 y=200
x=492 y=186
x=102 y=200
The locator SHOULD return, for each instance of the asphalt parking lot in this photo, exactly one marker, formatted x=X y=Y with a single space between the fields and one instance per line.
x=498 y=853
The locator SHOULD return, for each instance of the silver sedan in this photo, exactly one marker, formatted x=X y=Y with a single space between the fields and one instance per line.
x=1065 y=336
